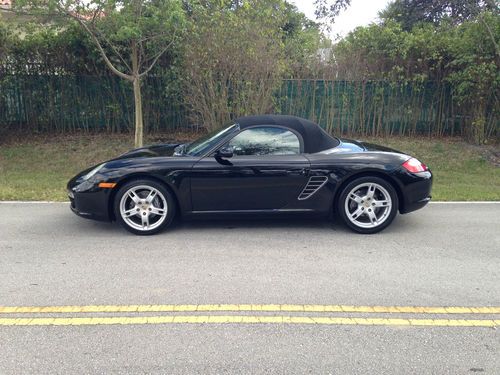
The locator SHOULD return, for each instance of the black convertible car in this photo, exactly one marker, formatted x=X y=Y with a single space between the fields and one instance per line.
x=257 y=165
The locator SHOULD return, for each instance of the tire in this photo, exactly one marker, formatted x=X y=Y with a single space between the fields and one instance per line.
x=368 y=204
x=144 y=207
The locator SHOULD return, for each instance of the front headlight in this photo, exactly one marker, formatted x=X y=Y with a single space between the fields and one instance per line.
x=92 y=172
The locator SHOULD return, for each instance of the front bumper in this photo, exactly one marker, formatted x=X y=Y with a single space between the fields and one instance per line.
x=90 y=204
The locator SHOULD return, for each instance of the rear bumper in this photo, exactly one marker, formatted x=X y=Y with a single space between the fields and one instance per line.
x=413 y=206
x=417 y=191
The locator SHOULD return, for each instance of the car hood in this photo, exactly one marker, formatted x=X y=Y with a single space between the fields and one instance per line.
x=152 y=151
x=141 y=157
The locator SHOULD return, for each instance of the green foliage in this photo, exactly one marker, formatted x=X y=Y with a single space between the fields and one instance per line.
x=387 y=51
x=464 y=55
x=48 y=50
x=131 y=35
x=243 y=47
x=217 y=59
x=475 y=73
x=474 y=62
x=151 y=24
x=302 y=39
x=233 y=59
x=410 y=13
x=5 y=40
x=328 y=10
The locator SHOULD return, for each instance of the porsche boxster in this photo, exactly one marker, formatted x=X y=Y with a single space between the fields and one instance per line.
x=257 y=165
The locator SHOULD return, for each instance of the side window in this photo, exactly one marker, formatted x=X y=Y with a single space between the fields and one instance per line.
x=265 y=140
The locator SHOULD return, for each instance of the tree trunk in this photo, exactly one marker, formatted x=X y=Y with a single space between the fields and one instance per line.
x=139 y=125
x=478 y=123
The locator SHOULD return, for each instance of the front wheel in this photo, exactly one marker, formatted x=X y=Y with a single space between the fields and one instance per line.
x=144 y=207
x=368 y=204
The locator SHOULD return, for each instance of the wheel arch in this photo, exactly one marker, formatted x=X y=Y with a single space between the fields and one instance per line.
x=138 y=176
x=369 y=173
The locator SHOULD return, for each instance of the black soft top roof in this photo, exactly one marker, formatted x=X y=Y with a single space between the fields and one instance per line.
x=315 y=138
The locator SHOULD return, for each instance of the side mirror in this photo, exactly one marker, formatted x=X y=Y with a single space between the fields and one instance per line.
x=225 y=152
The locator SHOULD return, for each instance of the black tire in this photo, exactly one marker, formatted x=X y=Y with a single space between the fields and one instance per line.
x=163 y=200
x=387 y=214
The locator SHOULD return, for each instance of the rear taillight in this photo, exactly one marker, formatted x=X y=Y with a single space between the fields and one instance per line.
x=414 y=166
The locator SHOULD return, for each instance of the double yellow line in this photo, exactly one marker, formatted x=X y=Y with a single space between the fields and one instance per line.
x=249 y=307
x=261 y=313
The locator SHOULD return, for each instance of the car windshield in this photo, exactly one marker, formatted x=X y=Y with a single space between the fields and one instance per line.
x=205 y=143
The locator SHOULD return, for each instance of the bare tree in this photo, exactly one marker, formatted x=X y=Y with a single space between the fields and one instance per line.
x=233 y=61
x=131 y=35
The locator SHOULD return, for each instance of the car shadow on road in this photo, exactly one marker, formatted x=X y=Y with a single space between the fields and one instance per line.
x=400 y=224
x=254 y=223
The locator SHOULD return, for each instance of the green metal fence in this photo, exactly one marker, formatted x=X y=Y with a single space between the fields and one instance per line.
x=69 y=103
x=372 y=107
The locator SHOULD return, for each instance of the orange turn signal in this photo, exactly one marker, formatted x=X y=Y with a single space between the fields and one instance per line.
x=107 y=185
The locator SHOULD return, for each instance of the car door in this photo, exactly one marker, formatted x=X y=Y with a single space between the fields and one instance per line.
x=266 y=172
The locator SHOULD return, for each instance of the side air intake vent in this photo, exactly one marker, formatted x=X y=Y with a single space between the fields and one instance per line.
x=313 y=185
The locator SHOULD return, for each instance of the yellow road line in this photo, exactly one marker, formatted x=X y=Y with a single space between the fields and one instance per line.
x=252 y=307
x=245 y=319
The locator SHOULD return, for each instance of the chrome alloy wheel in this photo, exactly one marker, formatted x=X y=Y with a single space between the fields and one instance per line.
x=368 y=205
x=143 y=208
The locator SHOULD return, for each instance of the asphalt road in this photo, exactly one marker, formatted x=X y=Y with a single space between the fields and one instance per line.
x=443 y=255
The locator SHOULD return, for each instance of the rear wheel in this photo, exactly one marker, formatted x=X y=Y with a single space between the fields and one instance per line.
x=144 y=207
x=368 y=204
